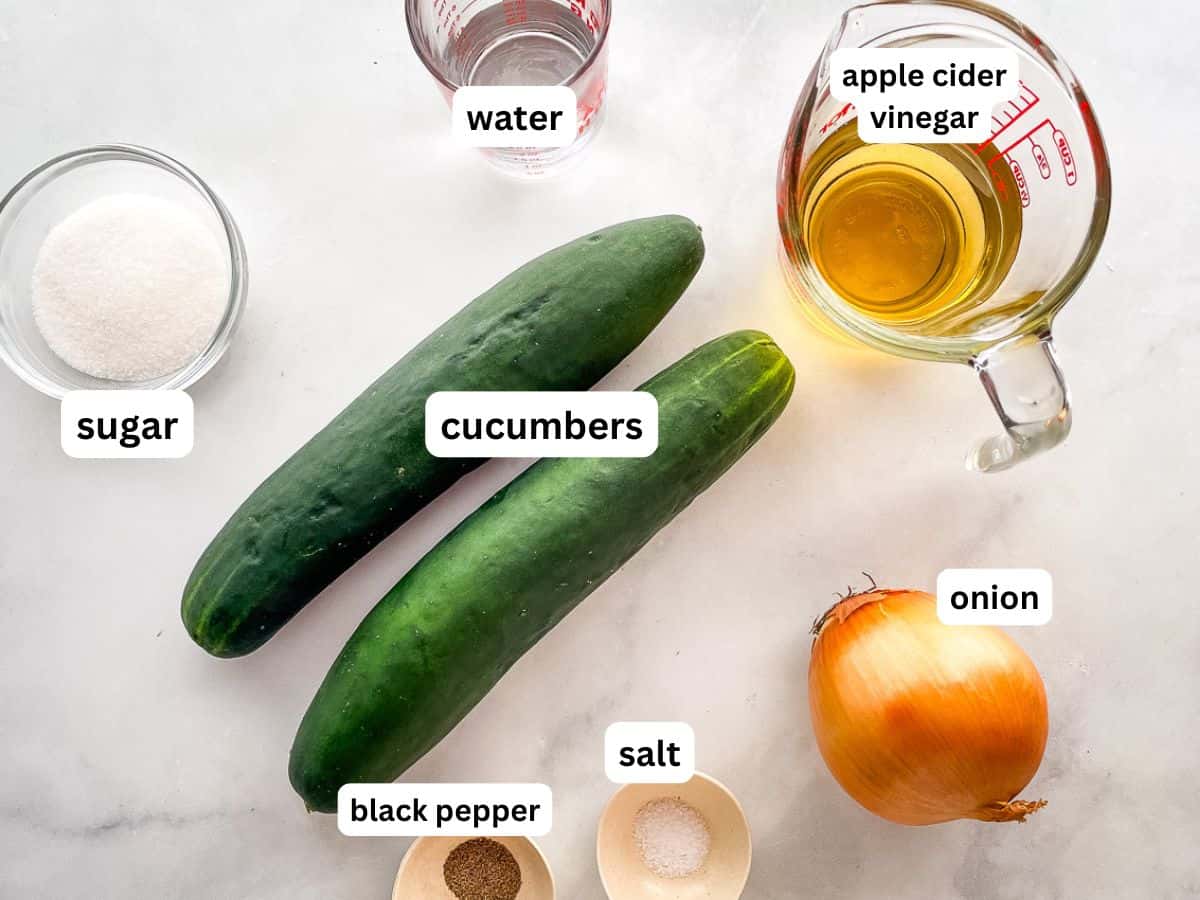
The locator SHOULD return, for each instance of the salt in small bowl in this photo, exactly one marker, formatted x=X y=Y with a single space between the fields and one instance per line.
x=722 y=877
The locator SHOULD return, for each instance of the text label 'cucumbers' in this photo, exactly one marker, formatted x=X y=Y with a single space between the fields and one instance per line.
x=541 y=423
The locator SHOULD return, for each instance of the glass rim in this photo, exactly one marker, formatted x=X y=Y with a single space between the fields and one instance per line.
x=235 y=300
x=585 y=65
x=1039 y=315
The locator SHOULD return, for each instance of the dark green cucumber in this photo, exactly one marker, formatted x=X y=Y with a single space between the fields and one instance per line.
x=442 y=637
x=558 y=323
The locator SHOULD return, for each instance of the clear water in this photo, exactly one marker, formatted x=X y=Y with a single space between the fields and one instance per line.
x=547 y=47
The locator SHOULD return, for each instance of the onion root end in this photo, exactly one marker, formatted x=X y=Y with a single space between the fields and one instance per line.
x=1012 y=811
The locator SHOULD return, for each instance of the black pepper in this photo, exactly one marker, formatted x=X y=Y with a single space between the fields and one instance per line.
x=482 y=869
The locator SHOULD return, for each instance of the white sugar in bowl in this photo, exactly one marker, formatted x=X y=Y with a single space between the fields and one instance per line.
x=80 y=336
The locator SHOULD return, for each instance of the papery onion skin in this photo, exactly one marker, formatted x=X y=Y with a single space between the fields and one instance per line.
x=922 y=722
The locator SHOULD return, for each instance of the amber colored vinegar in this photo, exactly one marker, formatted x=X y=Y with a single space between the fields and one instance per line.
x=910 y=235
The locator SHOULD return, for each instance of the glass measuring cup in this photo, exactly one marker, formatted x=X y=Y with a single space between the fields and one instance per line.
x=519 y=42
x=1045 y=156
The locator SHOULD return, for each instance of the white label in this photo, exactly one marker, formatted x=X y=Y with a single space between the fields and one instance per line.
x=510 y=116
x=916 y=122
x=541 y=423
x=932 y=96
x=649 y=752
x=127 y=424
x=461 y=810
x=995 y=596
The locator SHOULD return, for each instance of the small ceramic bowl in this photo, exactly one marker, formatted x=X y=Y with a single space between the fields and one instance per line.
x=56 y=189
x=723 y=876
x=422 y=876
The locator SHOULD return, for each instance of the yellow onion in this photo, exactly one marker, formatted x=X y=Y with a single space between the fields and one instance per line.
x=922 y=722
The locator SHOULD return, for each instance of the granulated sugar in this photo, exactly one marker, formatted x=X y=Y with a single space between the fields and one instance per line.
x=672 y=837
x=129 y=287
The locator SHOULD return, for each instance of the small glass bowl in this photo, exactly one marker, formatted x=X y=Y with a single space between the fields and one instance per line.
x=56 y=189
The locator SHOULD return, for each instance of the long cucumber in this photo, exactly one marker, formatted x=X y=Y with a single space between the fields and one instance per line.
x=558 y=323
x=446 y=633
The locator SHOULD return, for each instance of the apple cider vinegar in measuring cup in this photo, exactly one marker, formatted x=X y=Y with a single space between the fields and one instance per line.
x=522 y=43
x=951 y=251
x=906 y=234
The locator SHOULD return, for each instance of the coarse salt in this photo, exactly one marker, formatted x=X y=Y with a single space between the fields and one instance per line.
x=129 y=287
x=672 y=837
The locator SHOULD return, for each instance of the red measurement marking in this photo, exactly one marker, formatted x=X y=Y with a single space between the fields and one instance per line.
x=590 y=20
x=1064 y=153
x=1026 y=100
x=1028 y=135
x=449 y=18
x=837 y=117
x=1013 y=111
x=589 y=108
x=515 y=12
x=1039 y=156
x=1022 y=184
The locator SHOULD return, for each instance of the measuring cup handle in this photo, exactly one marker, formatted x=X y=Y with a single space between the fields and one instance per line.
x=1026 y=387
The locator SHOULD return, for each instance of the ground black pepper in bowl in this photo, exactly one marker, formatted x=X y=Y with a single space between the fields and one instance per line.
x=482 y=869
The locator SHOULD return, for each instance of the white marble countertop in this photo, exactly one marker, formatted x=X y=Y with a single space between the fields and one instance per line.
x=136 y=766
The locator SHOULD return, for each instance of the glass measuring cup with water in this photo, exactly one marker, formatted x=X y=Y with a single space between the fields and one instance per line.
x=953 y=252
x=524 y=43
